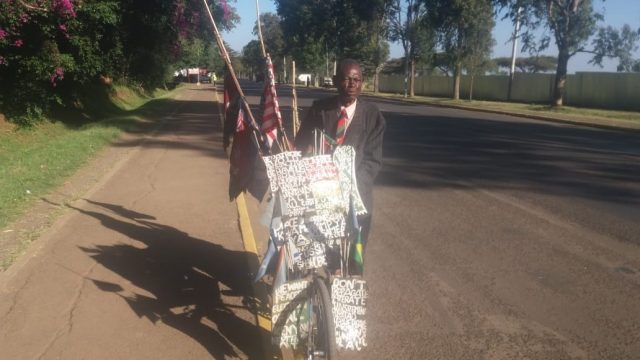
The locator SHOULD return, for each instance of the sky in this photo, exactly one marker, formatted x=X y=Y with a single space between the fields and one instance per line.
x=616 y=13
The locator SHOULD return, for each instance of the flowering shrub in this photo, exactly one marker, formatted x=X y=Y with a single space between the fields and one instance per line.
x=64 y=8
x=49 y=49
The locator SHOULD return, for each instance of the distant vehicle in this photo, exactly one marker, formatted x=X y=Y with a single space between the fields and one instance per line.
x=304 y=78
x=205 y=79
x=327 y=82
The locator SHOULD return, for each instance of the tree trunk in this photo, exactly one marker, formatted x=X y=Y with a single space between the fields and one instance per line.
x=471 y=87
x=561 y=78
x=375 y=81
x=406 y=72
x=412 y=79
x=457 y=72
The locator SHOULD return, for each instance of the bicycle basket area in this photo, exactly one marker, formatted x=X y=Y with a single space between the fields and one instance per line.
x=314 y=229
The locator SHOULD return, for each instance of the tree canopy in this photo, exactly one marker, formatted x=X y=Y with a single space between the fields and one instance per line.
x=49 y=49
x=531 y=64
x=463 y=30
x=571 y=23
x=406 y=22
x=339 y=28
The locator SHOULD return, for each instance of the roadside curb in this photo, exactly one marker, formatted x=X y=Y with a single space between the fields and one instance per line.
x=602 y=123
x=594 y=122
x=248 y=238
x=249 y=243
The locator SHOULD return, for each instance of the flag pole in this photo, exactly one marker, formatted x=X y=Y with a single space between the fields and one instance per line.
x=264 y=52
x=294 y=103
x=272 y=80
x=227 y=60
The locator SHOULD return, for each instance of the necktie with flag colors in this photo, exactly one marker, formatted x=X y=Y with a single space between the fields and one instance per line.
x=342 y=126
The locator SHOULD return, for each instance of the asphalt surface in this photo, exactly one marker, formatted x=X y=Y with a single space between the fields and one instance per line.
x=502 y=237
x=494 y=237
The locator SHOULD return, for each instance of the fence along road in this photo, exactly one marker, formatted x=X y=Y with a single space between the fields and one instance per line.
x=615 y=91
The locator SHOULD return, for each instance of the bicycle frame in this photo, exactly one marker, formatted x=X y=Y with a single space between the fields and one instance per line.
x=317 y=202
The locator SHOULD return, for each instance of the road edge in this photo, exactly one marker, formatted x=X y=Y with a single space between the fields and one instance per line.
x=247 y=235
x=600 y=123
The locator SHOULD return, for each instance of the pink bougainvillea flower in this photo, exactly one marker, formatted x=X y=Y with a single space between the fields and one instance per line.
x=225 y=8
x=63 y=7
x=3 y=34
x=57 y=75
x=18 y=43
x=3 y=61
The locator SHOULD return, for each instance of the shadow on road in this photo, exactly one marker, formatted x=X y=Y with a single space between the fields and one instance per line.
x=186 y=278
x=424 y=151
x=175 y=119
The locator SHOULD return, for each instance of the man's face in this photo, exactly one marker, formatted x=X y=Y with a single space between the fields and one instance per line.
x=349 y=83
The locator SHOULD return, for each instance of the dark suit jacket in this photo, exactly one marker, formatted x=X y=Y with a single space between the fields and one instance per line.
x=365 y=134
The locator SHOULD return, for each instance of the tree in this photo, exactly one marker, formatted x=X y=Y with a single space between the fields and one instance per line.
x=414 y=33
x=253 y=60
x=273 y=36
x=379 y=60
x=619 y=43
x=532 y=64
x=478 y=60
x=463 y=31
x=341 y=27
x=572 y=24
x=196 y=52
x=302 y=25
x=51 y=49
x=36 y=56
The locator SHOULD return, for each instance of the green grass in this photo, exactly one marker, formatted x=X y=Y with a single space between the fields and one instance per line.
x=565 y=112
x=34 y=161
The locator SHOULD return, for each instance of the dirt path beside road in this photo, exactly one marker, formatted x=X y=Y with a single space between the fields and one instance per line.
x=148 y=263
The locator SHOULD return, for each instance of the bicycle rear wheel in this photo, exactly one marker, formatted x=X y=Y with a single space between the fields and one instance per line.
x=322 y=334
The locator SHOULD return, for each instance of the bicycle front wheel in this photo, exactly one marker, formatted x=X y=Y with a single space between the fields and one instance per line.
x=322 y=334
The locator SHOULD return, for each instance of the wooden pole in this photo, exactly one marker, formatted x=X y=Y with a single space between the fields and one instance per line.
x=294 y=102
x=227 y=60
x=272 y=80
x=264 y=51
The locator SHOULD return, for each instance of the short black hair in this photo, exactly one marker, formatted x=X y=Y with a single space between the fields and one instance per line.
x=347 y=62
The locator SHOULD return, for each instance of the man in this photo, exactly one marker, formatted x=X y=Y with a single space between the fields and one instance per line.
x=363 y=129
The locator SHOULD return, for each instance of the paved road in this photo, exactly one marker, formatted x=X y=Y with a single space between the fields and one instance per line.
x=517 y=239
x=494 y=238
x=500 y=237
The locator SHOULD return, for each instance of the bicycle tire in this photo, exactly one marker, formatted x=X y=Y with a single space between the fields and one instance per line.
x=322 y=335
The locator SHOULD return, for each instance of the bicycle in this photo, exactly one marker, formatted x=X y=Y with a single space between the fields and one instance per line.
x=317 y=199
x=311 y=313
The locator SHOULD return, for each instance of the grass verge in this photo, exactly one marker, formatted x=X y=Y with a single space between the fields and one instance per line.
x=563 y=113
x=33 y=161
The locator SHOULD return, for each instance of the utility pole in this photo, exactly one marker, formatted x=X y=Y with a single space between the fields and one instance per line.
x=514 y=49
x=326 y=52
x=408 y=47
